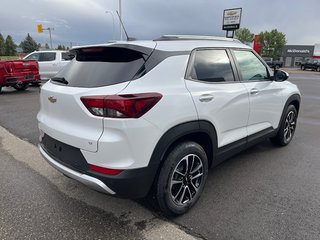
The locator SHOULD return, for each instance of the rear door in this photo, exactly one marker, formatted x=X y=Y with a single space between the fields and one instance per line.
x=48 y=64
x=217 y=94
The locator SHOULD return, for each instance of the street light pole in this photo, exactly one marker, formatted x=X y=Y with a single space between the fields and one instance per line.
x=120 y=12
x=112 y=24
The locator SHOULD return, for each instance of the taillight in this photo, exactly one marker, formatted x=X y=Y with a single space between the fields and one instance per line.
x=121 y=106
x=103 y=170
x=9 y=67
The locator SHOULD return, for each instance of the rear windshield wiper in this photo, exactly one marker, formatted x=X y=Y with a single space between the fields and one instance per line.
x=60 y=80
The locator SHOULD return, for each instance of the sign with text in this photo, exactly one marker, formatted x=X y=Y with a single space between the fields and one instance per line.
x=231 y=19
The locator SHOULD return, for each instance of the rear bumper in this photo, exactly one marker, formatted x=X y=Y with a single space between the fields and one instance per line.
x=13 y=80
x=83 y=178
x=133 y=183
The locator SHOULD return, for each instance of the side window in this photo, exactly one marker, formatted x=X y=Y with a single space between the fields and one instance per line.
x=34 y=56
x=251 y=68
x=47 y=56
x=66 y=56
x=210 y=65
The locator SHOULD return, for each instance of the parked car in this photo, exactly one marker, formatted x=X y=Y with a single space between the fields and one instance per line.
x=151 y=117
x=313 y=64
x=276 y=64
x=18 y=74
x=50 y=61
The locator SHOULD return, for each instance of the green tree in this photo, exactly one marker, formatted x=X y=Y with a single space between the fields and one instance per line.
x=272 y=43
x=46 y=46
x=2 y=45
x=61 y=47
x=29 y=45
x=10 y=47
x=244 y=35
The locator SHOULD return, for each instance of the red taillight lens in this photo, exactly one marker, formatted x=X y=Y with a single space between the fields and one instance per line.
x=9 y=67
x=103 y=170
x=121 y=106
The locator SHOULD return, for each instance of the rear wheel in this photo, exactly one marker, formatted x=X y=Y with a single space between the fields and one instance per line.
x=287 y=127
x=21 y=86
x=182 y=178
x=318 y=69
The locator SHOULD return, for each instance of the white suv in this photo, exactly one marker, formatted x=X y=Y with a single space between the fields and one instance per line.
x=140 y=117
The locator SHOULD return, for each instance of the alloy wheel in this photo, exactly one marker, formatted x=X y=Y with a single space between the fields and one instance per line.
x=186 y=179
x=289 y=126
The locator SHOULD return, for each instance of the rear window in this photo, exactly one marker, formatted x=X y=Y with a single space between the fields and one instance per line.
x=103 y=66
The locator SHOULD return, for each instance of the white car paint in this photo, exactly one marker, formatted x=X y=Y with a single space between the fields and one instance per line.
x=50 y=62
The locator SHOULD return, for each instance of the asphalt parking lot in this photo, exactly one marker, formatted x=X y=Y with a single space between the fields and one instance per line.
x=263 y=193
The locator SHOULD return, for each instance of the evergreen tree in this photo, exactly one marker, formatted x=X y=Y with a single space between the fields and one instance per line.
x=2 y=45
x=29 y=45
x=10 y=47
x=61 y=47
x=46 y=46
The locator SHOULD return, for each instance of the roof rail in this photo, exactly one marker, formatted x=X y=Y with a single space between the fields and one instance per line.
x=194 y=37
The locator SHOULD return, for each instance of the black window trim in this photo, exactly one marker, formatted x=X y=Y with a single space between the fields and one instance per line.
x=238 y=66
x=191 y=61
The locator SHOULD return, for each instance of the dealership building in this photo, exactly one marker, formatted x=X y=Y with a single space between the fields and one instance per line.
x=293 y=55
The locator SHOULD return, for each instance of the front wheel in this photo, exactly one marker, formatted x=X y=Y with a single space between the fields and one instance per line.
x=21 y=86
x=182 y=178
x=287 y=127
x=318 y=69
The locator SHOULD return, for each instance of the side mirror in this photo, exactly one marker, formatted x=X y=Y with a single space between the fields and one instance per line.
x=280 y=76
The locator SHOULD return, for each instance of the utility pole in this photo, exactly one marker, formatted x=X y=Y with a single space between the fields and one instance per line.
x=40 y=30
x=49 y=29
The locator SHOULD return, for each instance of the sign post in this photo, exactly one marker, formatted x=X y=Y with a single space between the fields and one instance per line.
x=231 y=21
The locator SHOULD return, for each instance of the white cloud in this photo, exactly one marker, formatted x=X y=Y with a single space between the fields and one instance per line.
x=85 y=21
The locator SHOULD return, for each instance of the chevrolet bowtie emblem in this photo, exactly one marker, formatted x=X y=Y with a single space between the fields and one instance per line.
x=52 y=99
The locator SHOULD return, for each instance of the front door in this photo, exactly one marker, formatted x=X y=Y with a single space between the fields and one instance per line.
x=265 y=95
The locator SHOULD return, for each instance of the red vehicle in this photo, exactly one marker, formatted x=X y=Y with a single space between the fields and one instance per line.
x=18 y=74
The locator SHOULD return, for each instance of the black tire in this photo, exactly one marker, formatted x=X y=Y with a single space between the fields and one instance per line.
x=277 y=67
x=318 y=69
x=181 y=179
x=21 y=86
x=0 y=88
x=287 y=127
x=304 y=68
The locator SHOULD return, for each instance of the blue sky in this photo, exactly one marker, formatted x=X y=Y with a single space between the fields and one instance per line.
x=86 y=21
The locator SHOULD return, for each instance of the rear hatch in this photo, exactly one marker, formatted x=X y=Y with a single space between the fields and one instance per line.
x=95 y=71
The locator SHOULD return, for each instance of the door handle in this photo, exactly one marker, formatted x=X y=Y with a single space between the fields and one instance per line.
x=206 y=98
x=254 y=91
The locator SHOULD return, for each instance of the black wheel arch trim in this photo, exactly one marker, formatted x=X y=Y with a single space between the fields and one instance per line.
x=295 y=98
x=180 y=131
